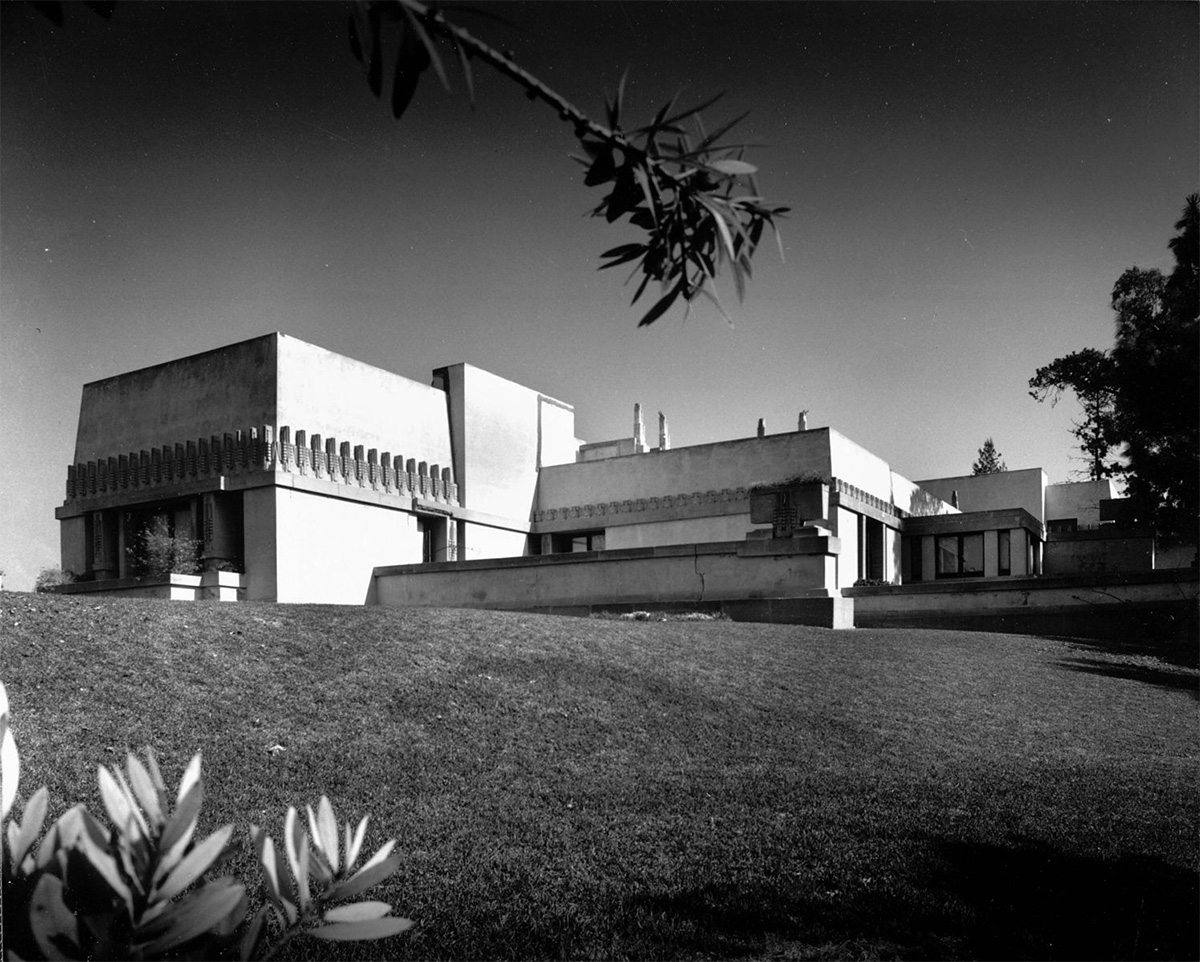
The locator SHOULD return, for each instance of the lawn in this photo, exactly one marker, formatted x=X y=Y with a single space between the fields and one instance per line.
x=567 y=788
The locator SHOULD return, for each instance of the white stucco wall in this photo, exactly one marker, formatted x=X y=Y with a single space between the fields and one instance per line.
x=729 y=527
x=499 y=430
x=702 y=467
x=302 y=547
x=338 y=397
x=1079 y=500
x=993 y=492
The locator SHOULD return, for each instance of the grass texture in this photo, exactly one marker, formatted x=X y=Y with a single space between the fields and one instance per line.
x=574 y=788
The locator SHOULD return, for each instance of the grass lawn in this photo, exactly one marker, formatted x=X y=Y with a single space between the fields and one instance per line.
x=567 y=788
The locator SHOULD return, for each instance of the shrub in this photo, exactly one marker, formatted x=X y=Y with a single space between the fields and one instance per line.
x=157 y=554
x=137 y=891
x=50 y=578
x=871 y=582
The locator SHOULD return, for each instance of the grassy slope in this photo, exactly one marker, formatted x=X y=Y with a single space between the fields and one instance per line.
x=572 y=788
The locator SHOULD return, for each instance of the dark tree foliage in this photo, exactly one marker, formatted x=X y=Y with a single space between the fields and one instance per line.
x=1090 y=375
x=989 y=460
x=693 y=197
x=1145 y=392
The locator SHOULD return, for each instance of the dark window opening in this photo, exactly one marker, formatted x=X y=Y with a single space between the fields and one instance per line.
x=959 y=555
x=1063 y=526
x=575 y=541
x=1004 y=552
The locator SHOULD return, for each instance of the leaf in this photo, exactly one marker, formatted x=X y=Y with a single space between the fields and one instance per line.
x=663 y=305
x=10 y=763
x=248 y=947
x=135 y=812
x=191 y=776
x=431 y=54
x=295 y=843
x=356 y=931
x=104 y=864
x=732 y=167
x=358 y=912
x=31 y=826
x=193 y=865
x=52 y=922
x=354 y=845
x=722 y=131
x=325 y=828
x=623 y=254
x=265 y=850
x=411 y=61
x=144 y=790
x=369 y=875
x=202 y=910
x=178 y=831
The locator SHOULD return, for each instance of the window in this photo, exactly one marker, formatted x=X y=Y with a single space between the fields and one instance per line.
x=578 y=541
x=1063 y=525
x=959 y=555
x=1004 y=552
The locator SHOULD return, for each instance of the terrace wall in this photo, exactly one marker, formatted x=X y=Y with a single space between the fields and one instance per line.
x=1148 y=604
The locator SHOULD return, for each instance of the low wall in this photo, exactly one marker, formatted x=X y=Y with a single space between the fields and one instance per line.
x=1096 y=551
x=669 y=575
x=209 y=586
x=1145 y=605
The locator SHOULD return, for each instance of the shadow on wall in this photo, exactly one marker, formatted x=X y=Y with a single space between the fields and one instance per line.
x=922 y=504
x=1019 y=901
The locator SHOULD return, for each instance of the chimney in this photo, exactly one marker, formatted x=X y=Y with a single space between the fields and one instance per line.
x=664 y=435
x=803 y=423
x=954 y=497
x=762 y=427
x=639 y=429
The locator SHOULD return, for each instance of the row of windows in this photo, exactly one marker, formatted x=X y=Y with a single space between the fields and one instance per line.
x=961 y=555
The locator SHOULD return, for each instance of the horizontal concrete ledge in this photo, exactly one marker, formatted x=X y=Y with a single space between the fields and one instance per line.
x=566 y=558
x=207 y=586
x=1181 y=576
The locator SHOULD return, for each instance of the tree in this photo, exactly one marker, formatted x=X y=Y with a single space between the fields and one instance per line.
x=695 y=200
x=1142 y=394
x=989 y=461
x=1090 y=375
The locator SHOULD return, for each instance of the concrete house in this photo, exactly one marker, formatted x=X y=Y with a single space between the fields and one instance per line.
x=307 y=476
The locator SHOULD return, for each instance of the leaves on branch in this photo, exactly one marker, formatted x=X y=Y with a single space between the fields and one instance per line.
x=697 y=203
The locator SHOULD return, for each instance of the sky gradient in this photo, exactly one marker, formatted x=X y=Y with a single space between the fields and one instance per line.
x=967 y=181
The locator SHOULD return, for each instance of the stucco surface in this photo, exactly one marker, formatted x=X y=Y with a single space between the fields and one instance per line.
x=731 y=527
x=991 y=492
x=703 y=467
x=338 y=397
x=1079 y=500
x=194 y=397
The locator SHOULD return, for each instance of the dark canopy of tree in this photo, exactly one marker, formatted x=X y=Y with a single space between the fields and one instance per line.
x=1143 y=395
x=989 y=460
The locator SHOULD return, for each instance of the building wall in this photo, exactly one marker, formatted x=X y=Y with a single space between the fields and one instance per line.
x=702 y=467
x=730 y=527
x=1079 y=500
x=500 y=432
x=338 y=397
x=190 y=398
x=993 y=492
x=684 y=573
x=1106 y=549
x=304 y=547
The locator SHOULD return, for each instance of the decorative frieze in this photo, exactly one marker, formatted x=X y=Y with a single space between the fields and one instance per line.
x=607 y=509
x=260 y=449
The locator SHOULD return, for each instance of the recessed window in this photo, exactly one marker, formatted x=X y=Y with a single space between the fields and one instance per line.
x=959 y=555
x=578 y=541
x=1004 y=552
x=1063 y=525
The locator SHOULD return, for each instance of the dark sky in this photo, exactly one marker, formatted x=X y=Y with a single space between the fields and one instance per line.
x=967 y=182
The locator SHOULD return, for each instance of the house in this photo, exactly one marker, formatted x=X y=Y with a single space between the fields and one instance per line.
x=306 y=476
